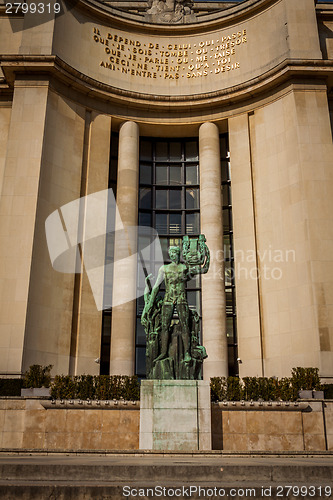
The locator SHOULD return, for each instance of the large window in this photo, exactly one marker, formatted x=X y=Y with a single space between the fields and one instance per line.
x=229 y=257
x=168 y=202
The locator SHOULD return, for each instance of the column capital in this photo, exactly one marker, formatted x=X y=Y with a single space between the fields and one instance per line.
x=208 y=127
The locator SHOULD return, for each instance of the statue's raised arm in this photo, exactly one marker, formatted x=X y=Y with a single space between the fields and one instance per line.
x=196 y=255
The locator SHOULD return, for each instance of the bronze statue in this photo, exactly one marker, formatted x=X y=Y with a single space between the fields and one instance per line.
x=177 y=346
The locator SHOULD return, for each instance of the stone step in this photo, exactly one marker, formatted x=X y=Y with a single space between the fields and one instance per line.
x=59 y=491
x=176 y=473
x=115 y=477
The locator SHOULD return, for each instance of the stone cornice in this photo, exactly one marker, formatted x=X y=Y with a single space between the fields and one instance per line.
x=29 y=67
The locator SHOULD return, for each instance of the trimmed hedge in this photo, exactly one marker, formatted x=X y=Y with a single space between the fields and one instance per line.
x=267 y=389
x=37 y=376
x=101 y=387
x=10 y=386
x=252 y=388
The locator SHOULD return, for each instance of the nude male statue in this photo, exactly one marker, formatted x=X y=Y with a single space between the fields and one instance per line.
x=175 y=276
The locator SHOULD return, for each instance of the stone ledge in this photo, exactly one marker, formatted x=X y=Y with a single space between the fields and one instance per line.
x=78 y=404
x=262 y=406
x=170 y=453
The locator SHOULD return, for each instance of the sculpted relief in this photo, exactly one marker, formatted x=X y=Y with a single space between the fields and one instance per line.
x=170 y=11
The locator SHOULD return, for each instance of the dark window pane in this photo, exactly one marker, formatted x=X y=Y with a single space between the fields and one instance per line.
x=192 y=198
x=230 y=329
x=113 y=171
x=192 y=174
x=141 y=283
x=225 y=171
x=227 y=246
x=194 y=282
x=162 y=223
x=139 y=303
x=225 y=216
x=175 y=198
x=228 y=273
x=192 y=223
x=175 y=151
x=223 y=147
x=146 y=150
x=158 y=266
x=232 y=363
x=144 y=219
x=229 y=304
x=141 y=361
x=145 y=198
x=175 y=224
x=140 y=333
x=106 y=325
x=191 y=150
x=164 y=245
x=145 y=174
x=225 y=195
x=161 y=151
x=161 y=198
x=114 y=146
x=175 y=174
x=161 y=174
x=193 y=299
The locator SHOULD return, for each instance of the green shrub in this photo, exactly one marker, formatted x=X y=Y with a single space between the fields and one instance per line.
x=62 y=387
x=305 y=379
x=286 y=391
x=101 y=387
x=255 y=388
x=234 y=389
x=10 y=386
x=131 y=388
x=37 y=376
x=218 y=388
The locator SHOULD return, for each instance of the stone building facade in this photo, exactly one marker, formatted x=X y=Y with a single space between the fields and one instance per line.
x=217 y=122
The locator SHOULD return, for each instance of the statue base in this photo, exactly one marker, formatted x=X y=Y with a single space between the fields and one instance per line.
x=175 y=415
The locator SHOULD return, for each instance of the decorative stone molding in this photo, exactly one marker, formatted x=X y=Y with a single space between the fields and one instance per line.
x=79 y=404
x=261 y=406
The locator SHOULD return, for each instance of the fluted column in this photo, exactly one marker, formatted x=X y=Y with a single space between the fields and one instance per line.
x=213 y=291
x=125 y=264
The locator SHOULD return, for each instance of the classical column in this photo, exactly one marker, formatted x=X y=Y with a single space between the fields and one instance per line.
x=125 y=263
x=87 y=316
x=213 y=292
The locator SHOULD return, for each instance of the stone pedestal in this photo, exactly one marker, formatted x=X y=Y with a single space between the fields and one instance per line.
x=175 y=415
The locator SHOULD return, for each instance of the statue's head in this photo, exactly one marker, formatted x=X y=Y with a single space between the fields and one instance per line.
x=174 y=254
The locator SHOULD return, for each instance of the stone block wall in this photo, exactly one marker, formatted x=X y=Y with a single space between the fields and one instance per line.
x=40 y=425
x=273 y=430
x=27 y=424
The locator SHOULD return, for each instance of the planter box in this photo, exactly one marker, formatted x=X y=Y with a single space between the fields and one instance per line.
x=311 y=394
x=36 y=392
x=305 y=394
